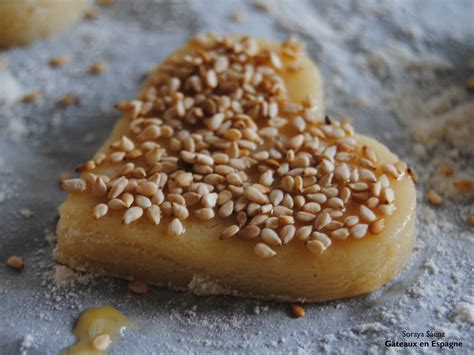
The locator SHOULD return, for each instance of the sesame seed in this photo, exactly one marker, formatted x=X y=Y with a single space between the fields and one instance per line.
x=315 y=247
x=298 y=310
x=58 y=61
x=230 y=232
x=390 y=170
x=142 y=201
x=31 y=97
x=434 y=198
x=100 y=210
x=287 y=233
x=377 y=227
x=237 y=16
x=270 y=237
x=253 y=194
x=303 y=233
x=74 y=185
x=68 y=100
x=138 y=287
x=249 y=232
x=97 y=68
x=204 y=214
x=387 y=195
x=154 y=214
x=386 y=210
x=226 y=209
x=322 y=220
x=175 y=228
x=132 y=214
x=341 y=233
x=359 y=230
x=264 y=251
x=117 y=188
x=463 y=185
x=15 y=262
x=367 y=214
x=101 y=342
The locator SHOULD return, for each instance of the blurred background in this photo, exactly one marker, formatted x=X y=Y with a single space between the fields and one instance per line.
x=403 y=71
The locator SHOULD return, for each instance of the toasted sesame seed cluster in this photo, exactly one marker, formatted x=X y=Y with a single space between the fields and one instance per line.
x=214 y=135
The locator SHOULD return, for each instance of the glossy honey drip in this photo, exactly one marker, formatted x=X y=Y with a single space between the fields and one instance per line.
x=92 y=323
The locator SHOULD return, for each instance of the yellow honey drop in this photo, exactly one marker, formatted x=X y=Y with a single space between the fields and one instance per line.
x=94 y=322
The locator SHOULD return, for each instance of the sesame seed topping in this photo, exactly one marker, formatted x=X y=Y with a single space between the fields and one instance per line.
x=132 y=215
x=175 y=228
x=207 y=138
x=264 y=251
x=101 y=342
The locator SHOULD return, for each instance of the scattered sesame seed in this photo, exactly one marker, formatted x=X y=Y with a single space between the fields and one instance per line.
x=68 y=100
x=298 y=310
x=97 y=68
x=261 y=6
x=463 y=185
x=434 y=198
x=31 y=97
x=58 y=61
x=15 y=262
x=90 y=14
x=237 y=16
x=138 y=287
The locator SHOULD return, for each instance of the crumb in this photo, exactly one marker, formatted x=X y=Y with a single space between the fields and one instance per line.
x=434 y=198
x=97 y=68
x=138 y=287
x=31 y=97
x=15 y=262
x=58 y=61
x=68 y=100
x=89 y=138
x=25 y=213
x=298 y=310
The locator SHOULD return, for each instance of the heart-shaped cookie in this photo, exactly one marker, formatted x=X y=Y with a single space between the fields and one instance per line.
x=224 y=176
